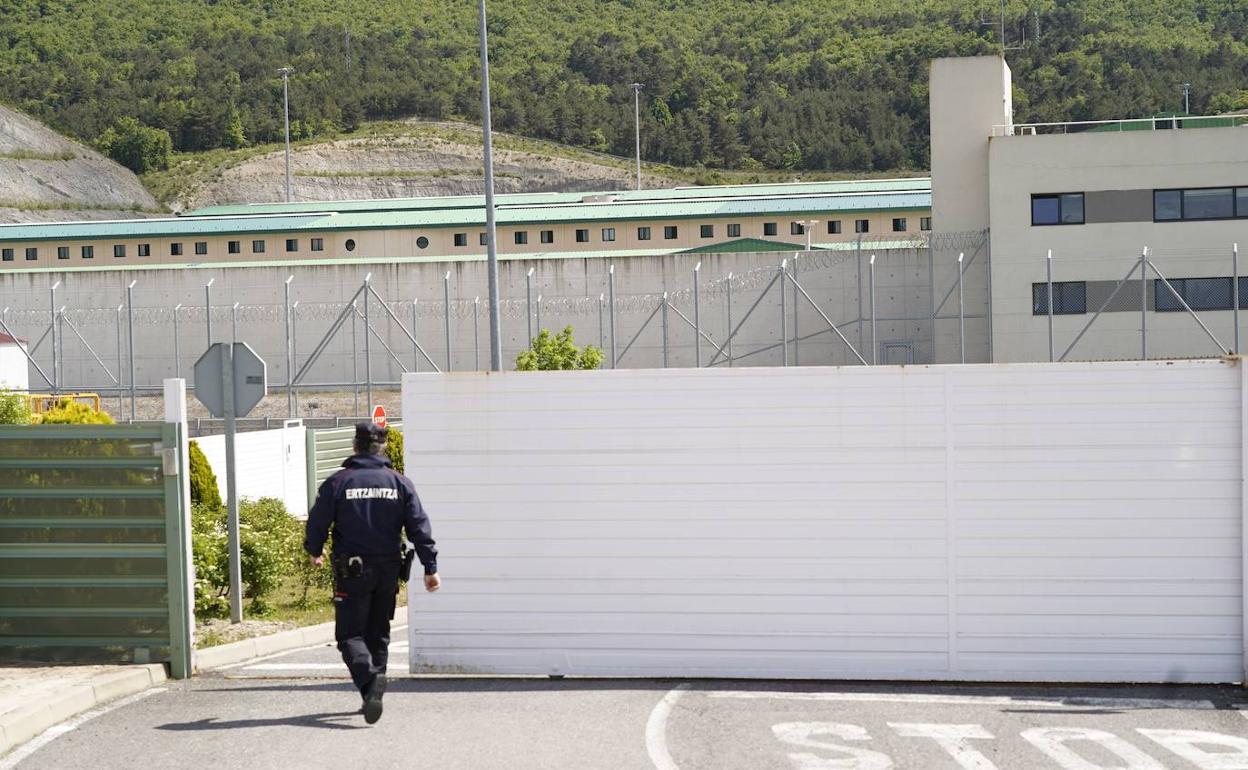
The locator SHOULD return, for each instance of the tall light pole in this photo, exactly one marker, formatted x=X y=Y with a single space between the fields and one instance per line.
x=491 y=251
x=637 y=126
x=285 y=73
x=1187 y=101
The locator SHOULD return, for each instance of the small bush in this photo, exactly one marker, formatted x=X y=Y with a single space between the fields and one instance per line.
x=71 y=412
x=547 y=353
x=209 y=551
x=394 y=449
x=14 y=408
x=270 y=545
x=204 y=488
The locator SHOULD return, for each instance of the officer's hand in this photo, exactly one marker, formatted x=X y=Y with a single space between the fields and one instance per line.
x=432 y=583
x=318 y=561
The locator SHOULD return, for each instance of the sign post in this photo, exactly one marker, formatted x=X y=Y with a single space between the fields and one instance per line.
x=379 y=416
x=230 y=379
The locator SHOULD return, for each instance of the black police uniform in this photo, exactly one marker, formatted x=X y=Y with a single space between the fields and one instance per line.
x=368 y=504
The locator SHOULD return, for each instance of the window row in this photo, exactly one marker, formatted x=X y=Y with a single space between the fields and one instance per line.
x=1203 y=203
x=1071 y=297
x=672 y=232
x=120 y=250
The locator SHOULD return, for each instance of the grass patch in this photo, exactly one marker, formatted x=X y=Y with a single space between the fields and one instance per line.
x=31 y=155
x=23 y=204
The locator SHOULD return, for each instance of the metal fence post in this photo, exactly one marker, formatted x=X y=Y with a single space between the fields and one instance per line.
x=1144 y=304
x=130 y=343
x=120 y=390
x=602 y=340
x=539 y=314
x=208 y=311
x=1049 y=280
x=664 y=321
x=294 y=352
x=415 y=343
x=56 y=367
x=476 y=335
x=528 y=298
x=355 y=357
x=961 y=314
x=729 y=310
x=874 y=345
x=290 y=350
x=446 y=299
x=1235 y=290
x=797 y=361
x=368 y=348
x=611 y=311
x=697 y=319
x=234 y=322
x=177 y=344
x=784 y=315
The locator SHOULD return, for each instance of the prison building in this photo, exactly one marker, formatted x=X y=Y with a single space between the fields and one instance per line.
x=529 y=226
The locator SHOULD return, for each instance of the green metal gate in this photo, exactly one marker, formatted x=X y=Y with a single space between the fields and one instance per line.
x=327 y=448
x=93 y=544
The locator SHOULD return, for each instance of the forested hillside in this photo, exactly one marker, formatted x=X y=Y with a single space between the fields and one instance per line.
x=729 y=83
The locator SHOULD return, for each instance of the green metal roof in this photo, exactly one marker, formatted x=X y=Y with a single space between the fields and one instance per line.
x=918 y=184
x=743 y=245
x=804 y=200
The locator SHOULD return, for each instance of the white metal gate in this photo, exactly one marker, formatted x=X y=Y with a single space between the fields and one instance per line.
x=997 y=522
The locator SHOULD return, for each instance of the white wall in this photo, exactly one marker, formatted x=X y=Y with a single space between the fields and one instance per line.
x=14 y=368
x=270 y=463
x=1007 y=522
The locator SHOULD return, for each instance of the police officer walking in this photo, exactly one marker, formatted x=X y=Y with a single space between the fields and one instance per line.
x=368 y=504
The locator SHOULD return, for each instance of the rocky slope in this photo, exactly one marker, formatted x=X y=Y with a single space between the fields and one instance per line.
x=47 y=177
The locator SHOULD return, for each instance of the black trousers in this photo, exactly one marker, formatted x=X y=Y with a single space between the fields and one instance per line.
x=363 y=608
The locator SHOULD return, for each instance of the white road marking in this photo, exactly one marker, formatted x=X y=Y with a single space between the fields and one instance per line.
x=1186 y=743
x=12 y=759
x=1052 y=742
x=1064 y=703
x=298 y=667
x=284 y=653
x=656 y=730
x=954 y=739
x=853 y=758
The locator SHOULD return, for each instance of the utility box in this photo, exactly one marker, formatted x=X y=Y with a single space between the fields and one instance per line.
x=14 y=369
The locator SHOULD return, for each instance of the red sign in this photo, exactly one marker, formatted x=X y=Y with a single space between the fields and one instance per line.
x=379 y=415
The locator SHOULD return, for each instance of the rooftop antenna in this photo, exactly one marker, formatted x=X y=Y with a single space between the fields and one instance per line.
x=1000 y=25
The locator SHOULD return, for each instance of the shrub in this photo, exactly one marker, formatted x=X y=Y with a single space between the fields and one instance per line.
x=394 y=449
x=559 y=352
x=209 y=549
x=14 y=408
x=137 y=147
x=71 y=412
x=204 y=488
x=269 y=542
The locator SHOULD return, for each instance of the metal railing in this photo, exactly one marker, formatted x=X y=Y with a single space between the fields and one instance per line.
x=1156 y=123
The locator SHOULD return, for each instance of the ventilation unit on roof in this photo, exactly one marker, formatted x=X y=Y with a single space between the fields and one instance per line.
x=598 y=199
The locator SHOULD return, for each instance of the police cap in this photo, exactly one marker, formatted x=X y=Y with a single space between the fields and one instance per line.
x=370 y=433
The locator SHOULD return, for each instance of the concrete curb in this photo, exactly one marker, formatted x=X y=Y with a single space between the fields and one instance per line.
x=20 y=726
x=211 y=658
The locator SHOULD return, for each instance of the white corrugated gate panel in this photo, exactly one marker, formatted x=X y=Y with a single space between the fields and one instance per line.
x=1075 y=521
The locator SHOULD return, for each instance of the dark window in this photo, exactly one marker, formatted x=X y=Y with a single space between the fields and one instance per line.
x=669 y=232
x=257 y=247
x=6 y=255
x=350 y=244
x=770 y=228
x=925 y=224
x=1167 y=205
x=834 y=227
x=862 y=226
x=119 y=250
x=643 y=233
x=1058 y=209
x=707 y=231
x=1214 y=203
x=522 y=237
x=292 y=244
x=899 y=224
x=88 y=252
x=145 y=249
x=582 y=236
x=482 y=240
x=1199 y=294
x=1069 y=298
x=1241 y=202
x=422 y=242
x=32 y=254
x=62 y=252
x=175 y=249
x=608 y=234
x=548 y=236
x=734 y=231
x=318 y=244
x=797 y=228
x=235 y=247
x=201 y=247
x=461 y=239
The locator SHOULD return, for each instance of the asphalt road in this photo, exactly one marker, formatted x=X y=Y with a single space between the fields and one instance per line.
x=298 y=710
